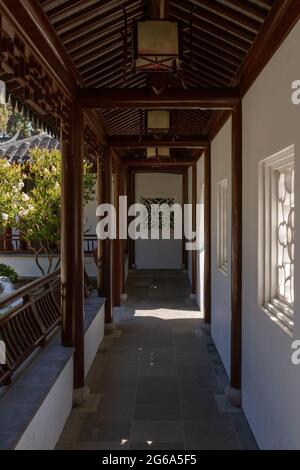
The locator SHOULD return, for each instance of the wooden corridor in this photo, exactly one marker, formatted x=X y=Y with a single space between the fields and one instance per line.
x=158 y=381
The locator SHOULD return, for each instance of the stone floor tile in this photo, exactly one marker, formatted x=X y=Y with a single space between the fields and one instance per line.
x=93 y=430
x=156 y=384
x=157 y=431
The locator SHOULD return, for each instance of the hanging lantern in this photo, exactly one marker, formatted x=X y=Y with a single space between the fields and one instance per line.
x=157 y=45
x=158 y=121
x=158 y=152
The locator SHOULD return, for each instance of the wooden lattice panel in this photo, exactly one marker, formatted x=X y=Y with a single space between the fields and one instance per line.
x=30 y=84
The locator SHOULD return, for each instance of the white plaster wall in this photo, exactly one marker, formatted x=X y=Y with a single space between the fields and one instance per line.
x=93 y=338
x=200 y=228
x=158 y=254
x=47 y=425
x=90 y=216
x=26 y=267
x=270 y=382
x=221 y=284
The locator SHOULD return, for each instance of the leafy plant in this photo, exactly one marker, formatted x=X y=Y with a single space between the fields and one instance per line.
x=30 y=201
x=8 y=271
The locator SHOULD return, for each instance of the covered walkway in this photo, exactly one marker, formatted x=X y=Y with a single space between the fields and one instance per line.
x=157 y=382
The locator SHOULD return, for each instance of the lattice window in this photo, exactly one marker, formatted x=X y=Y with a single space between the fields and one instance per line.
x=222 y=226
x=276 y=238
x=286 y=226
x=164 y=216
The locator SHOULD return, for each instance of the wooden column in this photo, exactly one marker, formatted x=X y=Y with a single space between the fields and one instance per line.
x=99 y=243
x=194 y=222
x=185 y=200
x=107 y=244
x=122 y=185
x=72 y=263
x=131 y=243
x=207 y=236
x=117 y=247
x=236 y=249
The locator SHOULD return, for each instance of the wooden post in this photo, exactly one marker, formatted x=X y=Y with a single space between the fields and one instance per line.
x=72 y=265
x=107 y=244
x=122 y=184
x=131 y=244
x=117 y=247
x=185 y=200
x=99 y=242
x=194 y=223
x=234 y=392
x=207 y=236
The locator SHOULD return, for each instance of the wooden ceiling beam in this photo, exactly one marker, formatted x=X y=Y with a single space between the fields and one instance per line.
x=174 y=163
x=131 y=142
x=195 y=98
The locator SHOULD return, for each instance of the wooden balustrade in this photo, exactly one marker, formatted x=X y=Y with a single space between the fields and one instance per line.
x=26 y=326
x=13 y=244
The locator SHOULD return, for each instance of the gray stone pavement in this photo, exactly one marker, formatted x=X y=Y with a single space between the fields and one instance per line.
x=157 y=381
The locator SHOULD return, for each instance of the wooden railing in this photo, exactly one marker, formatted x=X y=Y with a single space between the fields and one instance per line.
x=13 y=244
x=26 y=326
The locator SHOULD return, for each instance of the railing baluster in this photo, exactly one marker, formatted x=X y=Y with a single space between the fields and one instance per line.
x=27 y=326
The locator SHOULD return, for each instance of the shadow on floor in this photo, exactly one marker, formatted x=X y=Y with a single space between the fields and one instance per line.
x=157 y=381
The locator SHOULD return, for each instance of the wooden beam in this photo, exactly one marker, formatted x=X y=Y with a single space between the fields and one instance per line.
x=207 y=236
x=129 y=142
x=194 y=98
x=282 y=18
x=175 y=163
x=158 y=9
x=279 y=23
x=236 y=254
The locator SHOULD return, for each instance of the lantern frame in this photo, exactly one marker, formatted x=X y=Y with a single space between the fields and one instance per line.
x=156 y=61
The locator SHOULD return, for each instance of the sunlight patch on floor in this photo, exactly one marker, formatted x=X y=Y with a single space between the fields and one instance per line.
x=168 y=314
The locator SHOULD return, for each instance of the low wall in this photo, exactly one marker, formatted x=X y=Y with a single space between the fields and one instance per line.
x=26 y=267
x=34 y=410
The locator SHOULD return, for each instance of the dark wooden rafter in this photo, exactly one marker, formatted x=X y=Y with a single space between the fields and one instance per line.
x=281 y=19
x=127 y=142
x=203 y=98
x=222 y=35
x=37 y=71
x=161 y=163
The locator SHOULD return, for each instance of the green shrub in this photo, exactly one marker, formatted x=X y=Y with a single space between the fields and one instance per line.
x=8 y=271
